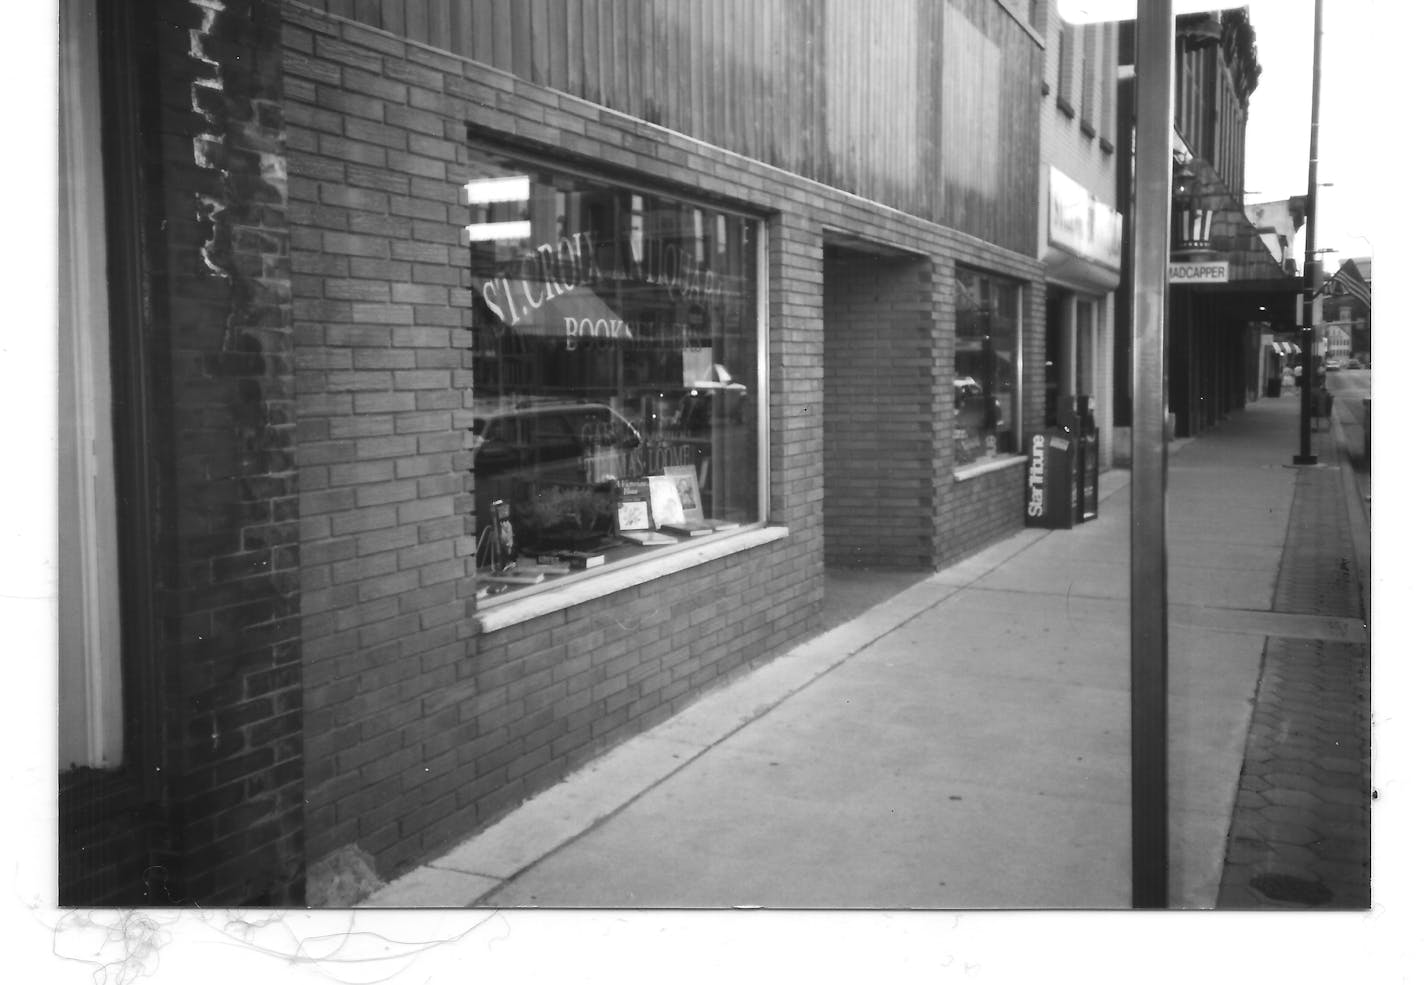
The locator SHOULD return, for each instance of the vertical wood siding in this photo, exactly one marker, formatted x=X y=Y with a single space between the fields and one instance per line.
x=928 y=106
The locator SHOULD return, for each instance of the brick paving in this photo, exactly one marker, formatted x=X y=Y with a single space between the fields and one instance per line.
x=1300 y=830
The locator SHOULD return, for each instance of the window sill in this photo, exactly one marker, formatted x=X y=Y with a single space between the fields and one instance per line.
x=502 y=615
x=984 y=468
x=1066 y=108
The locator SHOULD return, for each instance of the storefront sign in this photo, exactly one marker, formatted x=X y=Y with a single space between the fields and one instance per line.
x=1081 y=225
x=1199 y=272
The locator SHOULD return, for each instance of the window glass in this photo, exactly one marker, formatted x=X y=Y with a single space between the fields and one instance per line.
x=1089 y=55
x=616 y=350
x=986 y=359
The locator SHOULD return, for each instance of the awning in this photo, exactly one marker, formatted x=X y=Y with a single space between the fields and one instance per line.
x=1063 y=267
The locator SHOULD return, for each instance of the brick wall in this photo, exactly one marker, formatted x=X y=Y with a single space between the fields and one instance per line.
x=879 y=389
x=797 y=361
x=985 y=508
x=382 y=315
x=417 y=729
x=228 y=568
x=106 y=829
x=1035 y=356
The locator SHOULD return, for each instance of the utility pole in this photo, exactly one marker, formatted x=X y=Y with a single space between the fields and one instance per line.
x=1312 y=261
x=1152 y=204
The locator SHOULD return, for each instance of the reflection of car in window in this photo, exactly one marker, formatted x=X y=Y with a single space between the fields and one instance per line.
x=974 y=409
x=553 y=463
x=692 y=409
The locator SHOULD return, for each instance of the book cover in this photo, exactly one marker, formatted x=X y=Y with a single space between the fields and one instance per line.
x=633 y=505
x=583 y=560
x=664 y=501
x=550 y=568
x=514 y=576
x=572 y=560
x=688 y=490
x=689 y=528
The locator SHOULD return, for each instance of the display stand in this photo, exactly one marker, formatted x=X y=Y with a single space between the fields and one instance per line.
x=1063 y=469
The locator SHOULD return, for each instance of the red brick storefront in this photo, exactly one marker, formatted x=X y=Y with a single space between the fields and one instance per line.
x=319 y=673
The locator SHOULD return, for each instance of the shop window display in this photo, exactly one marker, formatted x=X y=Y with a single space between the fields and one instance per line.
x=986 y=360
x=616 y=354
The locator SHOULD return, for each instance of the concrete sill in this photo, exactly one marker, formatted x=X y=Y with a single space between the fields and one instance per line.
x=994 y=465
x=630 y=574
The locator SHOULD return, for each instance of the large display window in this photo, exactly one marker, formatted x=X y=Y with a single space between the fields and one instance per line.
x=616 y=369
x=988 y=319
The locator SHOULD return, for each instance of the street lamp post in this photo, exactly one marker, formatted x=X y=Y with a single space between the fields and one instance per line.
x=1312 y=260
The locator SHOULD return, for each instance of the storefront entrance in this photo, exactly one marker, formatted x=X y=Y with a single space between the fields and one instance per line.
x=879 y=447
x=1072 y=354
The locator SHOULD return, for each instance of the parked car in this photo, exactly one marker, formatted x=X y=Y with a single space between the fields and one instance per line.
x=974 y=409
x=1353 y=363
x=1332 y=364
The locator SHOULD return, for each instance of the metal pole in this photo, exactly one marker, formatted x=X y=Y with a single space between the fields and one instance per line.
x=1312 y=263
x=1152 y=181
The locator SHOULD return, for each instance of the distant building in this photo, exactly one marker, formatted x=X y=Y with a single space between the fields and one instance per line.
x=1233 y=298
x=1347 y=306
x=1080 y=222
x=1277 y=223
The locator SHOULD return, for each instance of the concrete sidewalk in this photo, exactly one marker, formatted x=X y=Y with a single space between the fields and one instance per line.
x=963 y=744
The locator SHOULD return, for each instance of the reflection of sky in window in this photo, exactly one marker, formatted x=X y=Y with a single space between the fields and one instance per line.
x=499 y=208
x=635 y=227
